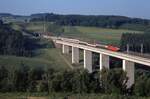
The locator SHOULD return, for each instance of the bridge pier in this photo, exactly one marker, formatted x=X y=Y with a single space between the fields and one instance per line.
x=65 y=49
x=104 y=61
x=57 y=45
x=75 y=55
x=88 y=60
x=129 y=67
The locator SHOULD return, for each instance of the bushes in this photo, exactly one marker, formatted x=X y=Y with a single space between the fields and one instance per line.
x=77 y=81
x=3 y=79
x=114 y=81
x=71 y=81
x=26 y=79
x=142 y=86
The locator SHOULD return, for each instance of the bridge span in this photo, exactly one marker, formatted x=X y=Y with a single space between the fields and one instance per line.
x=127 y=59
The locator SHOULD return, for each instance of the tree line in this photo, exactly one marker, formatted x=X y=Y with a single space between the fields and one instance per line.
x=94 y=20
x=13 y=42
x=136 y=42
x=39 y=79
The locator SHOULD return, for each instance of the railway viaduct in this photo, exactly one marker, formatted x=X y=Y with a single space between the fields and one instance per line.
x=128 y=61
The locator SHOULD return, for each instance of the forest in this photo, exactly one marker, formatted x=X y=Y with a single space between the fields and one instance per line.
x=39 y=79
x=102 y=21
x=135 y=42
x=13 y=42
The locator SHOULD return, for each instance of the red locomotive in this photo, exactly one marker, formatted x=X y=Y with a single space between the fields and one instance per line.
x=112 y=48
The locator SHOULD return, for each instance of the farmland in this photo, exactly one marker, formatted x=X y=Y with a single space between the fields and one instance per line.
x=108 y=36
x=104 y=35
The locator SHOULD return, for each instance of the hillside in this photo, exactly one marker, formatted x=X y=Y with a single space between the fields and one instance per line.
x=17 y=49
x=46 y=58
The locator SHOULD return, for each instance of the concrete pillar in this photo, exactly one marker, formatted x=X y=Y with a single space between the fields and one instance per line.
x=57 y=45
x=88 y=60
x=129 y=67
x=104 y=61
x=75 y=55
x=65 y=49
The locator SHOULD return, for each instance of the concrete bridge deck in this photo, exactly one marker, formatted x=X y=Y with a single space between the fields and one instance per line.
x=136 y=59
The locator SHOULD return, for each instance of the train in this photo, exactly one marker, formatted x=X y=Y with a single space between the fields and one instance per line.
x=108 y=47
x=96 y=45
x=113 y=48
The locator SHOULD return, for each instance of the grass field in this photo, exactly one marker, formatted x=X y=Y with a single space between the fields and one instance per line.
x=32 y=26
x=108 y=36
x=35 y=26
x=47 y=57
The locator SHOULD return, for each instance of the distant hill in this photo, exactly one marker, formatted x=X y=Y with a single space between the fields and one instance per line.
x=5 y=14
x=103 y=21
x=8 y=18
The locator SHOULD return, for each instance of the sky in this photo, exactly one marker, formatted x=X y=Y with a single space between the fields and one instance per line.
x=131 y=8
